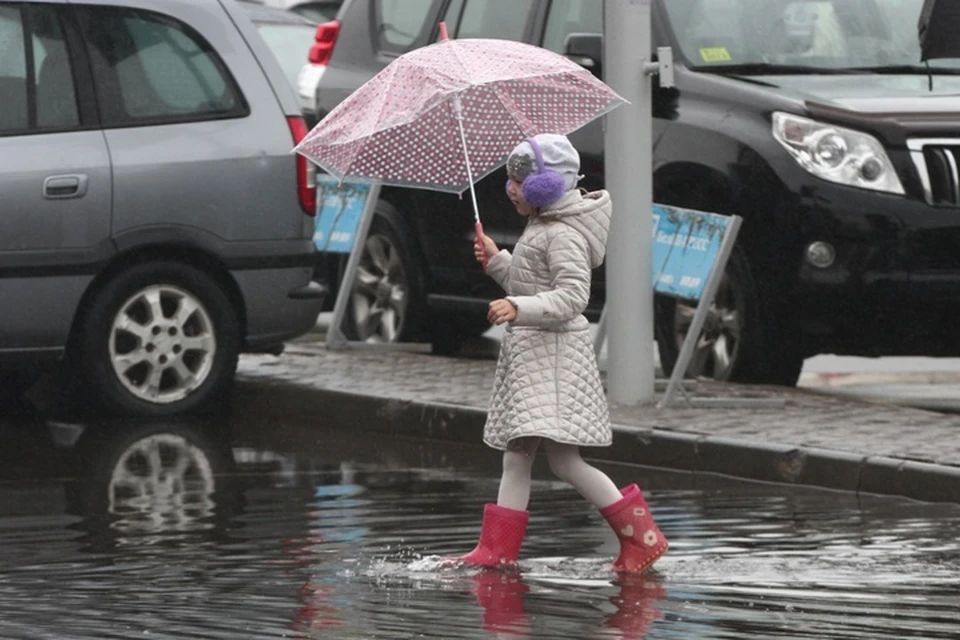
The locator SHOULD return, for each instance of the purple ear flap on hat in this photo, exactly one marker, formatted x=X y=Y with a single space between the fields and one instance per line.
x=543 y=189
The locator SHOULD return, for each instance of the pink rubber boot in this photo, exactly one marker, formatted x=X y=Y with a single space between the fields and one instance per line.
x=641 y=541
x=500 y=537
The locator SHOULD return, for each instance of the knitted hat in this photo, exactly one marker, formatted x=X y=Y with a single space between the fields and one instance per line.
x=558 y=155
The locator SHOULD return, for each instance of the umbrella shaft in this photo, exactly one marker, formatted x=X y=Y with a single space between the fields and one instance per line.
x=466 y=156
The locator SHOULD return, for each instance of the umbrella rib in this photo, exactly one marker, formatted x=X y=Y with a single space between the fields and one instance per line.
x=456 y=55
x=510 y=106
x=373 y=129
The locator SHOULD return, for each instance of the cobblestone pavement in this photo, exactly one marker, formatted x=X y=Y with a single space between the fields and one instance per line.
x=806 y=418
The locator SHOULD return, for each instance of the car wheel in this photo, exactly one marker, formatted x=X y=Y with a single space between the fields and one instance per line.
x=449 y=330
x=13 y=386
x=386 y=302
x=161 y=338
x=736 y=344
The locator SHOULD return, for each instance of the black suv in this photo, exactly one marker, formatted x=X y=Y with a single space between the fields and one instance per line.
x=812 y=119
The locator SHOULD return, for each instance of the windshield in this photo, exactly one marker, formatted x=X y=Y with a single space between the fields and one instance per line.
x=290 y=44
x=804 y=34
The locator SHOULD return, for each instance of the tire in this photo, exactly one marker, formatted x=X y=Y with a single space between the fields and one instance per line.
x=449 y=330
x=137 y=361
x=466 y=324
x=13 y=386
x=387 y=302
x=739 y=343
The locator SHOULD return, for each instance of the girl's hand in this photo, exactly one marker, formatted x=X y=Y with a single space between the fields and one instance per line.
x=501 y=311
x=484 y=248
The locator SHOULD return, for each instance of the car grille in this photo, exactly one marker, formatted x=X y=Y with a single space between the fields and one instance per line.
x=938 y=162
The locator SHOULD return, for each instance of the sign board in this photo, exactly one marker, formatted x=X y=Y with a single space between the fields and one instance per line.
x=340 y=208
x=690 y=251
x=345 y=210
x=686 y=244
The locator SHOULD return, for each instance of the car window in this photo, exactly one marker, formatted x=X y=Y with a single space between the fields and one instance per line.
x=13 y=71
x=150 y=68
x=401 y=22
x=829 y=34
x=571 y=16
x=42 y=97
x=485 y=19
x=452 y=15
x=56 y=96
x=289 y=44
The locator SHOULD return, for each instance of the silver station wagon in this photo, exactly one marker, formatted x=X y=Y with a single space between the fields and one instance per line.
x=153 y=221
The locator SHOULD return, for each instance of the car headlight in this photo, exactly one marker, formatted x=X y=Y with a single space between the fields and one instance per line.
x=837 y=154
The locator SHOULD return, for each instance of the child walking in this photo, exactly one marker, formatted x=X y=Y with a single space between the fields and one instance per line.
x=547 y=391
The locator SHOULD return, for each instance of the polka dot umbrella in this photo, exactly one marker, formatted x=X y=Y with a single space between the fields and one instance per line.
x=444 y=116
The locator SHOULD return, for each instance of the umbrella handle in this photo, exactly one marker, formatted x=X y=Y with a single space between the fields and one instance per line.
x=478 y=228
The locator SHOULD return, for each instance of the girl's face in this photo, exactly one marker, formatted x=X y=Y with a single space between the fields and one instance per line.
x=515 y=193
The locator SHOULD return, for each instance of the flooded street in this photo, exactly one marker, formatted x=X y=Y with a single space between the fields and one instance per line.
x=183 y=530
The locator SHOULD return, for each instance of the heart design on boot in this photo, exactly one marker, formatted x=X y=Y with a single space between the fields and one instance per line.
x=627 y=531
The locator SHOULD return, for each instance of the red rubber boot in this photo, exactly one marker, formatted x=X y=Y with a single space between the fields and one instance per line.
x=500 y=537
x=641 y=541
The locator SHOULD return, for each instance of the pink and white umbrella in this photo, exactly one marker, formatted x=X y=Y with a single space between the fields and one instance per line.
x=444 y=116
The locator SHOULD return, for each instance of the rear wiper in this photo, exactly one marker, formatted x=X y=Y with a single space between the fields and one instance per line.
x=907 y=69
x=768 y=68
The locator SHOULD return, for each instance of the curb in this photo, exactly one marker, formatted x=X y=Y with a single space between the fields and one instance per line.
x=274 y=402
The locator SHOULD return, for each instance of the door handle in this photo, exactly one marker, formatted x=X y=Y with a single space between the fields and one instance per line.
x=65 y=186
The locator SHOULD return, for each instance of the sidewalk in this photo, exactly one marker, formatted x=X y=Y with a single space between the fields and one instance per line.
x=813 y=438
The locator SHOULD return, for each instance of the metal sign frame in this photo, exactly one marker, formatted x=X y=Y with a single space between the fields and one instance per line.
x=700 y=315
x=336 y=339
x=688 y=348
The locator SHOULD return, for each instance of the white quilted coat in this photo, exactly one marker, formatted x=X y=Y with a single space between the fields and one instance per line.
x=547 y=382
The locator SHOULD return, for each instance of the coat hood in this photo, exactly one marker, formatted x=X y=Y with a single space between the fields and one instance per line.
x=589 y=214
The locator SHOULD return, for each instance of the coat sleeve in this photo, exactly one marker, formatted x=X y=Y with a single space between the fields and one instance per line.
x=568 y=263
x=498 y=268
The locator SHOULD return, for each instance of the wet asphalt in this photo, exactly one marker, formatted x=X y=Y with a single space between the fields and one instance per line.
x=307 y=529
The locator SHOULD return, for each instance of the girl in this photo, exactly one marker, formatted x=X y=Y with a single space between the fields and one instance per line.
x=547 y=389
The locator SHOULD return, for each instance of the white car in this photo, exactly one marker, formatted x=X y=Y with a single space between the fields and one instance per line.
x=323 y=13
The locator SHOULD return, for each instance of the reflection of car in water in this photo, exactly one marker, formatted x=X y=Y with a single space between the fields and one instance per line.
x=812 y=119
x=153 y=478
x=144 y=481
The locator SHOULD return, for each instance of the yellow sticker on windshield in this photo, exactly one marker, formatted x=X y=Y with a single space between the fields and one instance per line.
x=715 y=54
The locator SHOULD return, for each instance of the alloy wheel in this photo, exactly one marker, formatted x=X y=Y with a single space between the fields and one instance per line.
x=716 y=349
x=379 y=297
x=162 y=344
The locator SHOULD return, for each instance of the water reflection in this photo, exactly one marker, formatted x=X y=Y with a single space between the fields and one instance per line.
x=143 y=483
x=184 y=529
x=501 y=594
x=636 y=605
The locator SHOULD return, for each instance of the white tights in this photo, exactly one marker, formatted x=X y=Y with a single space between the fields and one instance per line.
x=565 y=462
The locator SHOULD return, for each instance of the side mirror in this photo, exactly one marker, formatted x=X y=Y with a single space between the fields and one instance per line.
x=586 y=49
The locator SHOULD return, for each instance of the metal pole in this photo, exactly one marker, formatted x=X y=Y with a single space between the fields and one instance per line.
x=628 y=144
x=335 y=338
x=601 y=335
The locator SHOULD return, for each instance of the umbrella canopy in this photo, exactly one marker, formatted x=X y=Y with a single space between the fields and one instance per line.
x=938 y=29
x=445 y=115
